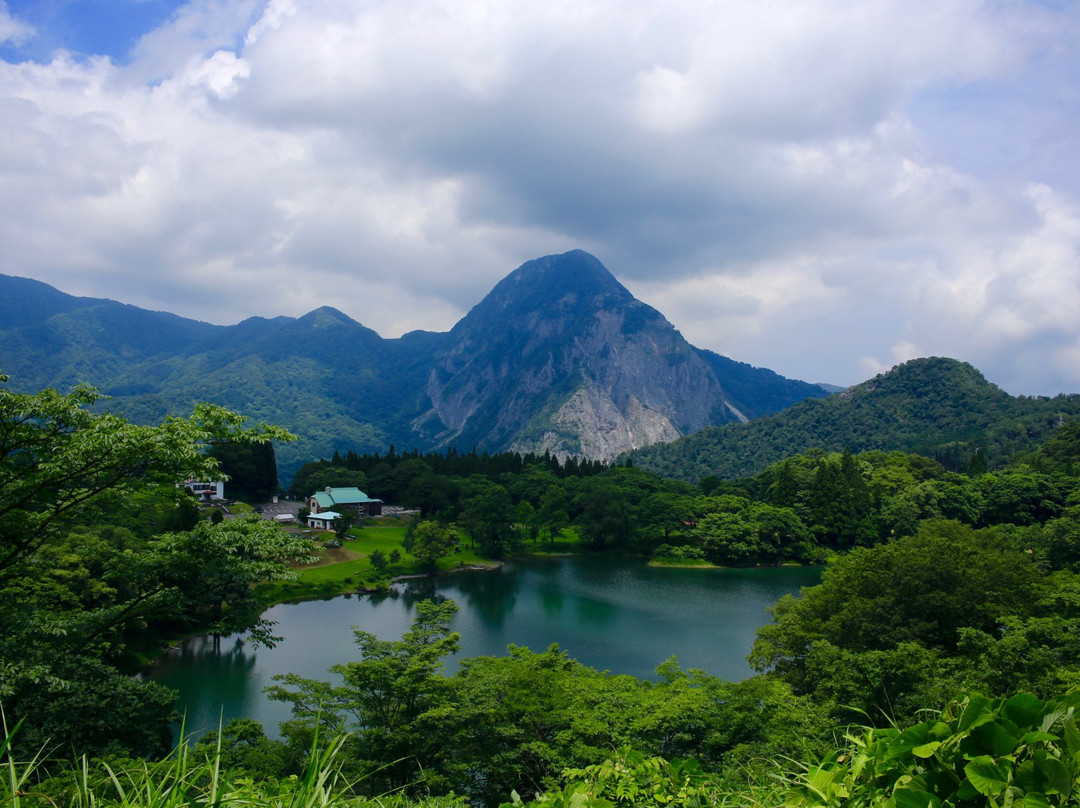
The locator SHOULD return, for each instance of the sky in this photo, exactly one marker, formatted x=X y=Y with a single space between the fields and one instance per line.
x=821 y=187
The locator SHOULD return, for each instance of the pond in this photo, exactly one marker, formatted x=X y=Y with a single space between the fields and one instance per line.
x=615 y=614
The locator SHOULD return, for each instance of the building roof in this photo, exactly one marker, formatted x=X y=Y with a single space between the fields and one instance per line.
x=324 y=516
x=342 y=496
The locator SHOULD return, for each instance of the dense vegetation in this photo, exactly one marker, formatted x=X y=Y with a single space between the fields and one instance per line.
x=936 y=407
x=337 y=384
x=939 y=583
x=102 y=555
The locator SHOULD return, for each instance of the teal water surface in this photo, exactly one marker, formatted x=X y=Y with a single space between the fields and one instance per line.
x=614 y=614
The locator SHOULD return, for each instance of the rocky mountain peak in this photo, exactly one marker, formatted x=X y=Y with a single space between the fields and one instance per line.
x=561 y=357
x=571 y=280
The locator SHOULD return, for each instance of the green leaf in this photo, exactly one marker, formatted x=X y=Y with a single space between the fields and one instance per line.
x=927 y=750
x=1072 y=739
x=1033 y=800
x=1039 y=737
x=978 y=711
x=987 y=776
x=1025 y=710
x=910 y=798
x=995 y=738
x=1028 y=778
x=1057 y=775
x=909 y=740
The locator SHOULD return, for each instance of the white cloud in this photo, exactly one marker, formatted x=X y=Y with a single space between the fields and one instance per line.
x=12 y=29
x=752 y=170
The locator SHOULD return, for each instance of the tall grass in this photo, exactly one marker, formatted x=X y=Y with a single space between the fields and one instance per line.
x=185 y=779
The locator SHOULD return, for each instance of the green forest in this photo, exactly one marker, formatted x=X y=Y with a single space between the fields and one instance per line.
x=935 y=664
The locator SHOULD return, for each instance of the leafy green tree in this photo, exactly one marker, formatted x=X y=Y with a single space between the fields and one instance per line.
x=73 y=600
x=525 y=517
x=490 y=516
x=242 y=746
x=344 y=523
x=429 y=541
x=432 y=494
x=728 y=538
x=1020 y=497
x=387 y=698
x=892 y=610
x=605 y=513
x=553 y=515
x=840 y=503
x=781 y=534
x=378 y=559
x=666 y=512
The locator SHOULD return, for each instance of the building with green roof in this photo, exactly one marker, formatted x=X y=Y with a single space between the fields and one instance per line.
x=336 y=499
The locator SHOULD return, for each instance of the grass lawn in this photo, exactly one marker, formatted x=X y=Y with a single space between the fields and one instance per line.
x=568 y=542
x=683 y=563
x=349 y=568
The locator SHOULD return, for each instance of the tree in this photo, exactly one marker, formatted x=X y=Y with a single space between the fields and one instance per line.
x=73 y=600
x=728 y=538
x=606 y=515
x=343 y=524
x=384 y=697
x=891 y=611
x=429 y=541
x=59 y=461
x=491 y=519
x=552 y=514
x=251 y=469
x=665 y=512
x=377 y=559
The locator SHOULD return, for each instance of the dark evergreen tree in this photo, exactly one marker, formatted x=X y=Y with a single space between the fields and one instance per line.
x=251 y=469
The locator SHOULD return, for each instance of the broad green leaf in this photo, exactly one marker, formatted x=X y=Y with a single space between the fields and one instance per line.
x=1025 y=710
x=910 y=739
x=1028 y=778
x=1039 y=737
x=987 y=776
x=909 y=798
x=1033 y=800
x=927 y=750
x=995 y=738
x=1072 y=739
x=978 y=711
x=1057 y=775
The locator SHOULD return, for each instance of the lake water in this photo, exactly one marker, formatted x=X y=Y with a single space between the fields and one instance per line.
x=614 y=614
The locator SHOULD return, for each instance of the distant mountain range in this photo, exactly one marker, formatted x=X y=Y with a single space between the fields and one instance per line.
x=558 y=357
x=936 y=407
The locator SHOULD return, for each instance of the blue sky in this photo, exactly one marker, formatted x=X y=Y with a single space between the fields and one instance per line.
x=85 y=27
x=822 y=187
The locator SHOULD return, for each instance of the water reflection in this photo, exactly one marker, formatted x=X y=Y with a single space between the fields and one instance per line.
x=612 y=614
x=491 y=595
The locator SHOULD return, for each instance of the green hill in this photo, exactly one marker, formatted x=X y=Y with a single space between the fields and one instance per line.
x=937 y=407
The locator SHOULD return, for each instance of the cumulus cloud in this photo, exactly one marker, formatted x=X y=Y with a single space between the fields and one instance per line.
x=775 y=178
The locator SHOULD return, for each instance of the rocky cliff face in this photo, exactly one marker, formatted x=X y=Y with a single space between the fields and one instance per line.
x=561 y=357
x=558 y=357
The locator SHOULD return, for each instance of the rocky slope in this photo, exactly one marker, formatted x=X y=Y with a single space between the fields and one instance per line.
x=559 y=357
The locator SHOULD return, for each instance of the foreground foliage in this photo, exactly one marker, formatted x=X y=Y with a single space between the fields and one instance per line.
x=1016 y=751
x=86 y=587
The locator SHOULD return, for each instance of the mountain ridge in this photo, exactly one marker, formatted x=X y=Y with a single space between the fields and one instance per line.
x=558 y=357
x=934 y=406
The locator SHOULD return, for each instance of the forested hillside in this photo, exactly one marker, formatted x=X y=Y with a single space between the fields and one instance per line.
x=937 y=407
x=938 y=584
x=559 y=357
